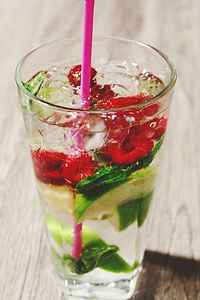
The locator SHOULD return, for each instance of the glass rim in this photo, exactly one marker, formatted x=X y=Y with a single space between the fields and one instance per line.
x=166 y=90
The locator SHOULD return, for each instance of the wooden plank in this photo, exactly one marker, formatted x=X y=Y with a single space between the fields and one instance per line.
x=174 y=227
x=168 y=277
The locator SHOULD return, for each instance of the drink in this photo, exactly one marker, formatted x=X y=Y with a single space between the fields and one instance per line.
x=96 y=169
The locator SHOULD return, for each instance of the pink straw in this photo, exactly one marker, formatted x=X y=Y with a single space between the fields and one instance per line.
x=87 y=52
x=85 y=95
x=77 y=243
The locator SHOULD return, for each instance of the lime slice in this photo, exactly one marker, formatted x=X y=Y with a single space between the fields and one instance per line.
x=130 y=212
x=34 y=83
x=60 y=198
x=113 y=263
x=144 y=206
x=150 y=86
x=138 y=185
x=40 y=111
x=62 y=233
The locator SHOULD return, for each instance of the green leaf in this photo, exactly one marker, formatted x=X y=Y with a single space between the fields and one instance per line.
x=116 y=264
x=102 y=254
x=143 y=210
x=97 y=254
x=139 y=184
x=112 y=263
x=34 y=84
x=106 y=176
x=90 y=258
x=109 y=177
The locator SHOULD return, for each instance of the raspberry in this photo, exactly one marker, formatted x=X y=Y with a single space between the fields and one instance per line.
x=74 y=75
x=78 y=167
x=121 y=102
x=153 y=129
x=161 y=125
x=48 y=166
x=150 y=110
x=100 y=92
x=117 y=128
x=118 y=155
x=57 y=168
x=128 y=142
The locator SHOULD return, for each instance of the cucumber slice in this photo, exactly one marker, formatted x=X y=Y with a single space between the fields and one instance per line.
x=138 y=185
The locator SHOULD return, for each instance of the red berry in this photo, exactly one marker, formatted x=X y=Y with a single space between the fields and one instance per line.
x=99 y=92
x=78 y=167
x=118 y=155
x=161 y=125
x=117 y=128
x=128 y=142
x=57 y=168
x=150 y=110
x=74 y=75
x=121 y=102
x=153 y=129
x=48 y=166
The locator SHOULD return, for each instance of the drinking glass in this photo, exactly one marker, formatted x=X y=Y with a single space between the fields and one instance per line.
x=95 y=213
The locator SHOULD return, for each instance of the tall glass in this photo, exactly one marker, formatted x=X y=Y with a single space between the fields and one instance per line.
x=95 y=213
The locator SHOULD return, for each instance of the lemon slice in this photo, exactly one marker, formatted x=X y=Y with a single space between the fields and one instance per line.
x=60 y=198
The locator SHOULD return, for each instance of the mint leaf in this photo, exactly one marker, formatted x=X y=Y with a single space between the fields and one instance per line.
x=116 y=264
x=90 y=258
x=34 y=84
x=109 y=177
x=97 y=254
x=106 y=176
x=139 y=184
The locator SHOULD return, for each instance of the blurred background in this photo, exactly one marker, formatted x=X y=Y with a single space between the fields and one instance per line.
x=171 y=26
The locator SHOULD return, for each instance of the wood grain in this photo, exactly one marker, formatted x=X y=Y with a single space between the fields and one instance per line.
x=172 y=26
x=168 y=277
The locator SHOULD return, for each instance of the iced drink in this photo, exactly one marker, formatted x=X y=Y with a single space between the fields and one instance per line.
x=95 y=169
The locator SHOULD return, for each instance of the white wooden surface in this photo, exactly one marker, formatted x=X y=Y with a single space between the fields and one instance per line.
x=172 y=26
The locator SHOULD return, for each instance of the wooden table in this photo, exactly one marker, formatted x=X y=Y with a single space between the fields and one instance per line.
x=172 y=26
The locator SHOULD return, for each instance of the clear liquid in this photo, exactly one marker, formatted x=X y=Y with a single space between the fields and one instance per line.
x=106 y=219
x=124 y=78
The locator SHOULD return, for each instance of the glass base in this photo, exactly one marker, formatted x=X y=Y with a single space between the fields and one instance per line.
x=74 y=289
